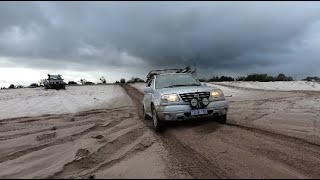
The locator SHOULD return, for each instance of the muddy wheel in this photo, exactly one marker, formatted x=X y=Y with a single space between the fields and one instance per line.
x=145 y=116
x=222 y=119
x=156 y=123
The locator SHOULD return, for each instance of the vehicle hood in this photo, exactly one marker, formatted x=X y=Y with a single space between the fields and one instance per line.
x=186 y=89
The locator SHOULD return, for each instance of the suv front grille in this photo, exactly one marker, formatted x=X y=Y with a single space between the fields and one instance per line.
x=186 y=97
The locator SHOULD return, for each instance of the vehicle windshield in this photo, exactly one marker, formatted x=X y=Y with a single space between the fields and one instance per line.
x=175 y=80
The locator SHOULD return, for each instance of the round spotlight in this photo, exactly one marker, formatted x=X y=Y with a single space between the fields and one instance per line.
x=194 y=102
x=205 y=101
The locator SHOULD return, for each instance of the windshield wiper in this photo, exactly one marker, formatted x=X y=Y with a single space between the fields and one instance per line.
x=182 y=85
x=193 y=85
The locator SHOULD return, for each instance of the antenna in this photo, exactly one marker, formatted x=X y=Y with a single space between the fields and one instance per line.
x=194 y=64
x=195 y=69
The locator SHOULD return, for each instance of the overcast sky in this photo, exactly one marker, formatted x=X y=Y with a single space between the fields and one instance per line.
x=125 y=39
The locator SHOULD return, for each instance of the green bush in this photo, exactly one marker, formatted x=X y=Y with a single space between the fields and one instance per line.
x=311 y=78
x=88 y=83
x=135 y=79
x=282 y=77
x=214 y=79
x=202 y=80
x=259 y=77
x=253 y=77
x=34 y=85
x=226 y=78
x=72 y=82
x=241 y=78
x=222 y=78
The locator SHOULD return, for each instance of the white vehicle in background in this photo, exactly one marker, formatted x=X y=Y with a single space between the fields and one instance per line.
x=180 y=96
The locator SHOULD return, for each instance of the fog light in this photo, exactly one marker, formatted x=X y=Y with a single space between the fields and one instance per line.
x=205 y=101
x=167 y=117
x=194 y=102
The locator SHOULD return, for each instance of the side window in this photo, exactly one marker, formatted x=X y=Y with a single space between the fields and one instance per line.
x=149 y=83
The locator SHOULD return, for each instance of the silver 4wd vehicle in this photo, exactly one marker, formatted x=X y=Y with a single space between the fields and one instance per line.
x=180 y=96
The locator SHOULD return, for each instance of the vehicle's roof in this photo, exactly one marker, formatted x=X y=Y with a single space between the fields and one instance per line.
x=55 y=77
x=172 y=73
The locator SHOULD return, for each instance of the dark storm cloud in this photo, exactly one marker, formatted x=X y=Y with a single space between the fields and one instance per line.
x=224 y=36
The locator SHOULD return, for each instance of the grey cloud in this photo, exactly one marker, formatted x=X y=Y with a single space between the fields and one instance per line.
x=225 y=36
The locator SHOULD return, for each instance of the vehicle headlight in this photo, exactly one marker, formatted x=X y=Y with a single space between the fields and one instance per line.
x=169 y=98
x=217 y=94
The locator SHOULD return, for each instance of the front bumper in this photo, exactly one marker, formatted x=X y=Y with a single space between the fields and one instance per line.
x=183 y=112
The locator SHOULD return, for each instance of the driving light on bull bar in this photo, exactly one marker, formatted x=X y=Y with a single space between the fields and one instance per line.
x=169 y=98
x=205 y=101
x=194 y=102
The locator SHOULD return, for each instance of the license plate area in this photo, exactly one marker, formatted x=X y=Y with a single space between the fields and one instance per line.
x=198 y=112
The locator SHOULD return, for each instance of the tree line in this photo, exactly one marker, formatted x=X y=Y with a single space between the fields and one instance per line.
x=256 y=77
x=82 y=81
x=250 y=77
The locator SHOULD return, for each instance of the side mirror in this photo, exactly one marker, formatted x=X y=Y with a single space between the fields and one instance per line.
x=147 y=90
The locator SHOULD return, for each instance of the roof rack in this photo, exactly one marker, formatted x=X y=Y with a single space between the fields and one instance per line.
x=163 y=71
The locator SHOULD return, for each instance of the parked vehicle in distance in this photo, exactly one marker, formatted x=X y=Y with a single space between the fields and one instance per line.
x=54 y=82
x=180 y=96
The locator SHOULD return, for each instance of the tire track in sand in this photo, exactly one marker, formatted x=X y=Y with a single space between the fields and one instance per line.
x=95 y=127
x=186 y=150
x=180 y=155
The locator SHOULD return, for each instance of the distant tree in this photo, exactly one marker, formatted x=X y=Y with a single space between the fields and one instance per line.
x=202 y=80
x=214 y=79
x=259 y=77
x=139 y=79
x=132 y=80
x=256 y=77
x=240 y=78
x=117 y=82
x=226 y=78
x=219 y=79
x=311 y=79
x=103 y=80
x=88 y=83
x=135 y=79
x=11 y=86
x=281 y=77
x=19 y=86
x=72 y=82
x=122 y=80
x=83 y=81
x=34 y=85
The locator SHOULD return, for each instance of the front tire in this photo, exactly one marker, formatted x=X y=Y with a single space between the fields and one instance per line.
x=145 y=116
x=222 y=119
x=156 y=123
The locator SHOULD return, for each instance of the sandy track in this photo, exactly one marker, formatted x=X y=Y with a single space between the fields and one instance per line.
x=95 y=143
x=117 y=143
x=181 y=157
x=291 y=113
x=235 y=151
